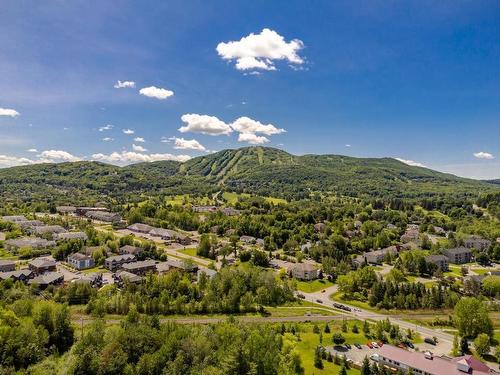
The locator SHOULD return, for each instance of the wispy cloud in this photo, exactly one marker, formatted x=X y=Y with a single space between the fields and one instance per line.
x=106 y=127
x=9 y=112
x=483 y=155
x=128 y=131
x=139 y=139
x=124 y=84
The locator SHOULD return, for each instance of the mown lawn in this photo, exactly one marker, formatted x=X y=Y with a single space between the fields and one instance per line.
x=309 y=341
x=313 y=286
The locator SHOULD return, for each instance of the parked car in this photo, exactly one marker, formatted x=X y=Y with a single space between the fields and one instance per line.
x=319 y=301
x=429 y=340
x=369 y=344
x=374 y=344
x=348 y=346
x=357 y=346
x=301 y=296
x=410 y=344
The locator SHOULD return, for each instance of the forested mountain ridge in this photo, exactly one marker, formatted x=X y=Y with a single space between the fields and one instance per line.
x=261 y=170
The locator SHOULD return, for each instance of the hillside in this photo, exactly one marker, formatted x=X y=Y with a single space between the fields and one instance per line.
x=265 y=171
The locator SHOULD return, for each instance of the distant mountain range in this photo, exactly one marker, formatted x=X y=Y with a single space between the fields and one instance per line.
x=260 y=170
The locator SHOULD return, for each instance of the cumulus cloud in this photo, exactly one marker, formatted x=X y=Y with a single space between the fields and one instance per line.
x=410 y=162
x=107 y=139
x=259 y=51
x=484 y=155
x=128 y=131
x=106 y=127
x=9 y=112
x=128 y=157
x=187 y=144
x=249 y=126
x=52 y=156
x=156 y=92
x=252 y=138
x=12 y=161
x=138 y=148
x=139 y=139
x=124 y=84
x=204 y=124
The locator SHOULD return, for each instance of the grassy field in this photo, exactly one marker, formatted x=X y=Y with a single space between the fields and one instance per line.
x=313 y=286
x=232 y=198
x=310 y=340
x=275 y=201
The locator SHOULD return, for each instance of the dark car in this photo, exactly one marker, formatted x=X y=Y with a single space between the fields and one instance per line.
x=410 y=344
x=348 y=346
x=357 y=346
x=428 y=340
x=319 y=301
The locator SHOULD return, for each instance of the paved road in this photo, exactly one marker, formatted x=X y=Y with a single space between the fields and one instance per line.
x=445 y=340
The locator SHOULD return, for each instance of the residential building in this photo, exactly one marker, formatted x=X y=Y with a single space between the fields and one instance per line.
x=33 y=242
x=140 y=228
x=80 y=261
x=439 y=260
x=82 y=211
x=208 y=272
x=229 y=211
x=140 y=268
x=476 y=242
x=7 y=265
x=14 y=219
x=458 y=255
x=164 y=234
x=70 y=236
x=204 y=208
x=107 y=217
x=125 y=276
x=410 y=235
x=22 y=275
x=248 y=239
x=182 y=265
x=48 y=278
x=426 y=363
x=129 y=249
x=48 y=229
x=304 y=271
x=376 y=256
x=29 y=224
x=66 y=209
x=117 y=261
x=42 y=264
x=93 y=279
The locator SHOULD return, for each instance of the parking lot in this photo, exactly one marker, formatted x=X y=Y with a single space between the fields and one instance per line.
x=354 y=354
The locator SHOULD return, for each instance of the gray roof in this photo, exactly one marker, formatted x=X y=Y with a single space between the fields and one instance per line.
x=6 y=262
x=119 y=258
x=436 y=258
x=79 y=256
x=140 y=227
x=139 y=265
x=34 y=242
x=129 y=249
x=15 y=274
x=47 y=278
x=457 y=250
x=44 y=229
x=14 y=219
x=128 y=276
x=43 y=262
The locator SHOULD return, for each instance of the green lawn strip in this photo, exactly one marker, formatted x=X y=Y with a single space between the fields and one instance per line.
x=313 y=286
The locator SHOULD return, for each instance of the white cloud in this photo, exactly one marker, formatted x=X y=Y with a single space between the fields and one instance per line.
x=138 y=148
x=411 y=162
x=52 y=156
x=204 y=124
x=128 y=131
x=32 y=150
x=347 y=145
x=124 y=84
x=484 y=155
x=107 y=139
x=139 y=139
x=156 y=92
x=185 y=144
x=12 y=161
x=249 y=126
x=128 y=157
x=252 y=139
x=106 y=127
x=9 y=112
x=258 y=51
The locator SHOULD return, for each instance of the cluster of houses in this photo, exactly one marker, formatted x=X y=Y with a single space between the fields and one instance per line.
x=41 y=271
x=164 y=234
x=99 y=214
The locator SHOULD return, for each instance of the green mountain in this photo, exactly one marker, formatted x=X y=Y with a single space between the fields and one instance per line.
x=259 y=170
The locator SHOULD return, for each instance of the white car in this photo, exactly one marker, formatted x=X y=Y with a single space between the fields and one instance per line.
x=374 y=344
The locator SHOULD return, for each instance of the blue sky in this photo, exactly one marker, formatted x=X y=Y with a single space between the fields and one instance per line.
x=416 y=80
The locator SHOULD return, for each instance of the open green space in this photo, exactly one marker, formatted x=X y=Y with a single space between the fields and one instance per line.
x=313 y=286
